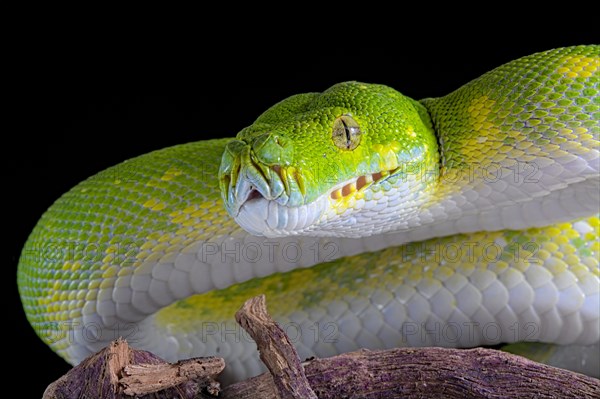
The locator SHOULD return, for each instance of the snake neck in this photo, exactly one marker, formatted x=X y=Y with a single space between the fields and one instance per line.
x=508 y=162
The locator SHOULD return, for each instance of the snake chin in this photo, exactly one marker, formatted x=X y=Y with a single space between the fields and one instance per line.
x=262 y=217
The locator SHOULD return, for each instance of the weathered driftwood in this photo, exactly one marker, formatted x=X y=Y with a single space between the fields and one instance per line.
x=428 y=373
x=276 y=350
x=119 y=371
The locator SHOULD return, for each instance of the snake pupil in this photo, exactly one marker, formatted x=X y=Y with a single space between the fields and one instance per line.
x=346 y=133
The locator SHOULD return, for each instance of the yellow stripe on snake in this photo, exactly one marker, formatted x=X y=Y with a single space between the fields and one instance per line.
x=367 y=218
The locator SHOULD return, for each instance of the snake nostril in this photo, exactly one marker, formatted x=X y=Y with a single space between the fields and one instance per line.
x=274 y=139
x=277 y=140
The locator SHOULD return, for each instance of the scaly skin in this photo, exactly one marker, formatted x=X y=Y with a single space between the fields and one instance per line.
x=488 y=196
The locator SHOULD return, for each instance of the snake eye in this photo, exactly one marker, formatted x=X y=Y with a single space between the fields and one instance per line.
x=346 y=133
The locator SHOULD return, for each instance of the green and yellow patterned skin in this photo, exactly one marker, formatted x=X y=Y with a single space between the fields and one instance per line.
x=367 y=218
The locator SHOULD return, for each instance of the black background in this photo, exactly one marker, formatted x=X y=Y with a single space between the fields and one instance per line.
x=88 y=105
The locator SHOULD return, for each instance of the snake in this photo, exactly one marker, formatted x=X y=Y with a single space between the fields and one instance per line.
x=367 y=218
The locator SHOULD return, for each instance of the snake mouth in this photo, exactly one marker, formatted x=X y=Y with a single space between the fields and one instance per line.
x=270 y=203
x=253 y=194
x=262 y=213
x=343 y=190
x=258 y=182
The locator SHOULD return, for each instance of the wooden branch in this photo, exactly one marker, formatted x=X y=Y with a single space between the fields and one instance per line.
x=276 y=350
x=143 y=379
x=429 y=372
x=119 y=371
x=397 y=373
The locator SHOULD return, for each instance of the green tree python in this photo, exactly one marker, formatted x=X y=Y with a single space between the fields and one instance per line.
x=368 y=219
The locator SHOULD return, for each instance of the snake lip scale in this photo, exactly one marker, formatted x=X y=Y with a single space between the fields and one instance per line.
x=257 y=205
x=369 y=219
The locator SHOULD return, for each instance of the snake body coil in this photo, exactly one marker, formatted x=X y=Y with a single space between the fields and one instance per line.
x=367 y=218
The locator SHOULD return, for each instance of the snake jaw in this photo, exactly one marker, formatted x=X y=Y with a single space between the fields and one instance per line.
x=266 y=200
x=265 y=205
x=261 y=213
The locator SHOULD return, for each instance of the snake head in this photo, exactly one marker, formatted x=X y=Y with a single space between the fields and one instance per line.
x=316 y=163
